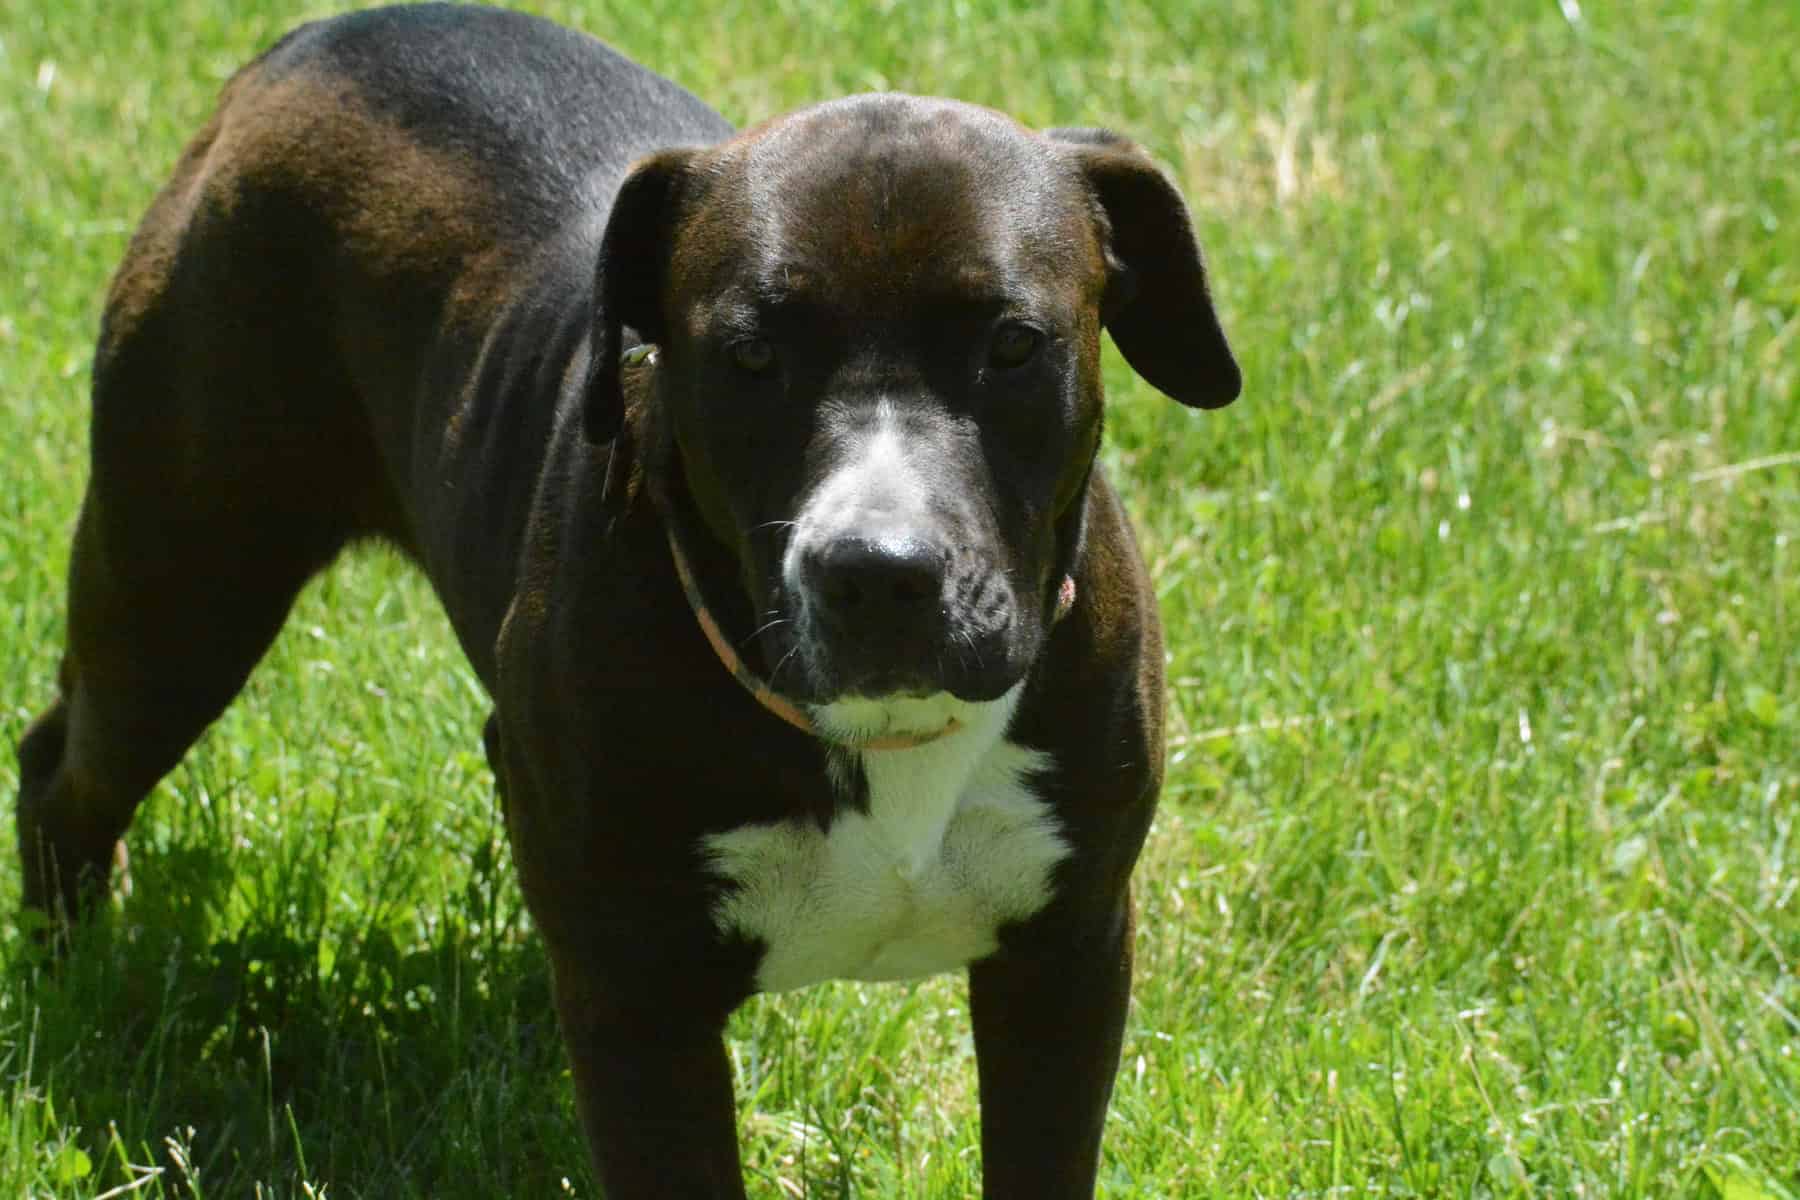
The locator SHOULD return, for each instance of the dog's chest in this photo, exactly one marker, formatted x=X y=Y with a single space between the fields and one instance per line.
x=948 y=851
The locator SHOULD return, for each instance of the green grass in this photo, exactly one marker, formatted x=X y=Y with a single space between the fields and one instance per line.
x=1478 y=870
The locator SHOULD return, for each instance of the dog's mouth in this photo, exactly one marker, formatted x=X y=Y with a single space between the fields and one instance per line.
x=869 y=658
x=873 y=706
x=899 y=721
x=904 y=622
x=889 y=673
x=883 y=703
x=891 y=702
x=910 y=691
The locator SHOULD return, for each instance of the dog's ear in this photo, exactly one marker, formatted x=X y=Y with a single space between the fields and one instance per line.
x=1157 y=305
x=629 y=280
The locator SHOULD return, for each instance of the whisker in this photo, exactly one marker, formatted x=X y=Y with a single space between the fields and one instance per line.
x=776 y=673
x=973 y=647
x=761 y=629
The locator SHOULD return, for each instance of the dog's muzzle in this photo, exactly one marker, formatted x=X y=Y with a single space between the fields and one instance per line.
x=879 y=603
x=849 y=723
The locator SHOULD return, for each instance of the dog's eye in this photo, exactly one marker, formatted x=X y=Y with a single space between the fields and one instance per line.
x=1013 y=346
x=755 y=355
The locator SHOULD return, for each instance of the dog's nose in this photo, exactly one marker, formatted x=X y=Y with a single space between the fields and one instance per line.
x=886 y=587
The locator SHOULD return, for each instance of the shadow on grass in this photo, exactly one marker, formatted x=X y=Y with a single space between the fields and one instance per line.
x=286 y=1051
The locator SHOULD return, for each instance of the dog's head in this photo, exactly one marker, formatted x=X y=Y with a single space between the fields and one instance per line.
x=878 y=380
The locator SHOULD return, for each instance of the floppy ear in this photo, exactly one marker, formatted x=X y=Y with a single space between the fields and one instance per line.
x=1157 y=306
x=629 y=279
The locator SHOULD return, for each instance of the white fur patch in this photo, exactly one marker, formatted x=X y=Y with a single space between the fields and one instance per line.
x=879 y=477
x=858 y=719
x=954 y=844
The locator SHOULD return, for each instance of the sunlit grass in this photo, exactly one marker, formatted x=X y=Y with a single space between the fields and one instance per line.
x=1477 y=871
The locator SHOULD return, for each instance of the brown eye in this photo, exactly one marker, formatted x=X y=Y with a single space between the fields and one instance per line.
x=1013 y=346
x=755 y=355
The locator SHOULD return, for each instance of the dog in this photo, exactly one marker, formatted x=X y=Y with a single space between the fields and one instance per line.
x=757 y=475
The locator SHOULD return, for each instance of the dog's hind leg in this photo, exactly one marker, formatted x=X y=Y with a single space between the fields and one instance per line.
x=228 y=467
x=160 y=638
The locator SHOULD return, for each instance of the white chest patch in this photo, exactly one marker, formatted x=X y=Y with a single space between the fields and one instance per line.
x=954 y=844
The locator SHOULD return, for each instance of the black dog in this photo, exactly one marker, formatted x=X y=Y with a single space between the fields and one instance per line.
x=655 y=406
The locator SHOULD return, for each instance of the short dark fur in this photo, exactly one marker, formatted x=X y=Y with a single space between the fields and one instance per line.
x=385 y=294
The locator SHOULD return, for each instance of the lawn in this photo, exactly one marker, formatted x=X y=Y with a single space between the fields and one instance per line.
x=1478 y=868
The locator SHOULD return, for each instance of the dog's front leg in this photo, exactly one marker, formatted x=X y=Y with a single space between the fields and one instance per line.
x=654 y=1087
x=1049 y=1017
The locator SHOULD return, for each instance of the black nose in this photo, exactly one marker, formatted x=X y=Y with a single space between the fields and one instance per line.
x=885 y=588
